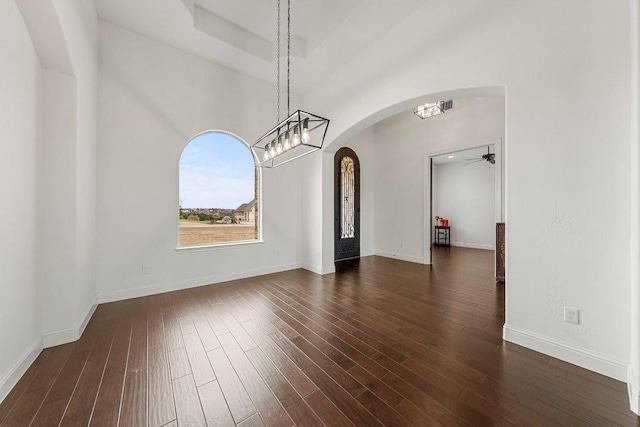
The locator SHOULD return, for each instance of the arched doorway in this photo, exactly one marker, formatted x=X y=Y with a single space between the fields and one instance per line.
x=346 y=204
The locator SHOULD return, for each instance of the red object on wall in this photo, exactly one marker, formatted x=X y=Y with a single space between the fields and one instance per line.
x=445 y=222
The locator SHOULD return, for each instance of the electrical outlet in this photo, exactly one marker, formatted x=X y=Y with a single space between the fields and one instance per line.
x=145 y=269
x=571 y=315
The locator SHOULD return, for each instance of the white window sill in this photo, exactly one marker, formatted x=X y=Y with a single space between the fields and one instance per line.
x=219 y=246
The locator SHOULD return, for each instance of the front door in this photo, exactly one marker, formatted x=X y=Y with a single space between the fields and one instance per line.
x=346 y=204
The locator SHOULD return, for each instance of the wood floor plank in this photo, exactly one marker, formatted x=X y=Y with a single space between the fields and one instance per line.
x=238 y=400
x=134 y=397
x=340 y=398
x=268 y=406
x=200 y=366
x=51 y=359
x=289 y=370
x=188 y=407
x=328 y=413
x=179 y=363
x=25 y=409
x=83 y=399
x=161 y=403
x=297 y=408
x=216 y=411
x=381 y=342
x=254 y=421
x=55 y=403
x=107 y=406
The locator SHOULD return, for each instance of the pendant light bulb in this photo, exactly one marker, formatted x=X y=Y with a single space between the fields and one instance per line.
x=287 y=139
x=296 y=136
x=287 y=144
x=279 y=146
x=272 y=149
x=266 y=153
x=305 y=131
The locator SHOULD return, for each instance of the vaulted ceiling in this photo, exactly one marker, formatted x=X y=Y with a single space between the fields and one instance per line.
x=241 y=34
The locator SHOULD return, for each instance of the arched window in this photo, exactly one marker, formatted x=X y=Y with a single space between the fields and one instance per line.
x=218 y=201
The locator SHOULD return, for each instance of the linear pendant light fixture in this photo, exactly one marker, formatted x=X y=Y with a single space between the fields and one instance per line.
x=431 y=109
x=292 y=137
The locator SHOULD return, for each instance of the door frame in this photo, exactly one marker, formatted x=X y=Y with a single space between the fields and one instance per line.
x=499 y=211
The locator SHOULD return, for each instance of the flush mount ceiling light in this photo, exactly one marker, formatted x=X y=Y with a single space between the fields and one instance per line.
x=431 y=109
x=291 y=138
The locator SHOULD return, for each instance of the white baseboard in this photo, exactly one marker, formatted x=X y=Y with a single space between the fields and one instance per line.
x=190 y=283
x=409 y=258
x=569 y=353
x=10 y=378
x=65 y=336
x=634 y=393
x=312 y=267
x=328 y=269
x=473 y=245
x=321 y=270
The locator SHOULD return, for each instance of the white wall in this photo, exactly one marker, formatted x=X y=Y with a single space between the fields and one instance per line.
x=66 y=174
x=152 y=100
x=465 y=195
x=80 y=27
x=403 y=142
x=48 y=166
x=20 y=78
x=557 y=251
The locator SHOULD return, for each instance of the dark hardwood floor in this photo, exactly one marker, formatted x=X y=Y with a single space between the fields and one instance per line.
x=384 y=342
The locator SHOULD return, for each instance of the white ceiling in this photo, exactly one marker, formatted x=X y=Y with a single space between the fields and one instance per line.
x=465 y=156
x=241 y=34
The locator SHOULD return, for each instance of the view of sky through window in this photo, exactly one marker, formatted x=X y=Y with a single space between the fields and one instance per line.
x=216 y=171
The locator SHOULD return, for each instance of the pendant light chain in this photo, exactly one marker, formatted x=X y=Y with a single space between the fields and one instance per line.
x=278 y=64
x=288 y=57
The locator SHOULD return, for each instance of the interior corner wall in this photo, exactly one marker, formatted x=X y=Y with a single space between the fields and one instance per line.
x=80 y=27
x=313 y=183
x=543 y=54
x=402 y=143
x=20 y=85
x=57 y=197
x=66 y=178
x=465 y=195
x=152 y=100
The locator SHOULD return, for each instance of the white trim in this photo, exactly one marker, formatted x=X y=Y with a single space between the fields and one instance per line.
x=634 y=247
x=88 y=316
x=191 y=283
x=317 y=269
x=11 y=377
x=223 y=245
x=569 y=353
x=408 y=258
x=65 y=336
x=328 y=269
x=473 y=245
x=634 y=393
x=59 y=337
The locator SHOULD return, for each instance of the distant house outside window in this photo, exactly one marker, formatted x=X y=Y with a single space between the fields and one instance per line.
x=218 y=191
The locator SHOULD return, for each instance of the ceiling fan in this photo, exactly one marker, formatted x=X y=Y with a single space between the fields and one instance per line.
x=489 y=157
